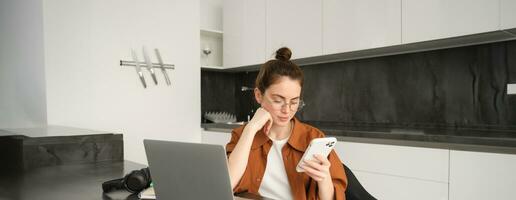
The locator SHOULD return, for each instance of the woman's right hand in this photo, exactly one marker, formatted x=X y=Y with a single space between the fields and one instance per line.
x=262 y=119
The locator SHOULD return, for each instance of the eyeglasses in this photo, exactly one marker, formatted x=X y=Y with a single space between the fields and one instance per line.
x=294 y=105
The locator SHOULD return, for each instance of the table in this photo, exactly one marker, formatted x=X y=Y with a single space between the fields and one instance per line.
x=61 y=182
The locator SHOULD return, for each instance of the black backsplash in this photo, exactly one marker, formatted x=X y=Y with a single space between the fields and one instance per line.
x=218 y=92
x=458 y=87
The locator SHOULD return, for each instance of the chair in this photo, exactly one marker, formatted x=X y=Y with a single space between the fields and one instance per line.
x=355 y=190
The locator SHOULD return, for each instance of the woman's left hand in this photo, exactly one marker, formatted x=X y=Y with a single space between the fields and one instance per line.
x=318 y=168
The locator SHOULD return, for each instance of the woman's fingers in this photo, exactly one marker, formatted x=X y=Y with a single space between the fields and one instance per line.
x=266 y=128
x=261 y=120
x=313 y=173
x=315 y=177
x=315 y=165
x=323 y=160
x=317 y=168
x=269 y=123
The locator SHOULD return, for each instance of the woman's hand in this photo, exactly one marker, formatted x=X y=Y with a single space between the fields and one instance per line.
x=262 y=119
x=317 y=168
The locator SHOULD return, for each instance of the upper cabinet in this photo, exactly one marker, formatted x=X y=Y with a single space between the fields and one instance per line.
x=436 y=19
x=244 y=33
x=350 y=25
x=295 y=24
x=254 y=30
x=508 y=14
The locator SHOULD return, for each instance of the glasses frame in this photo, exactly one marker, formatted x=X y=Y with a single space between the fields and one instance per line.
x=300 y=106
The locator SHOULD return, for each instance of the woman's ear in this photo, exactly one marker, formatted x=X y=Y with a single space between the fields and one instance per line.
x=258 y=95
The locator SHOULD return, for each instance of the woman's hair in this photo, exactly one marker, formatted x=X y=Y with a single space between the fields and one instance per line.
x=274 y=69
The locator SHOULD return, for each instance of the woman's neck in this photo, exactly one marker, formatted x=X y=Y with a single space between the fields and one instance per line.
x=280 y=132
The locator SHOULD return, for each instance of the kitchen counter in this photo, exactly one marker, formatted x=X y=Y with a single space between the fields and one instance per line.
x=79 y=181
x=27 y=148
x=48 y=131
x=482 y=140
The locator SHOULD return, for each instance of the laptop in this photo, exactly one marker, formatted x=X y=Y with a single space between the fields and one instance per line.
x=189 y=170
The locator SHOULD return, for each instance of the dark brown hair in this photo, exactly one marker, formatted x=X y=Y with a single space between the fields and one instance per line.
x=274 y=69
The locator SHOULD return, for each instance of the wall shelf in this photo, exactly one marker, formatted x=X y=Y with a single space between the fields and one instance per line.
x=211 y=33
x=212 y=68
x=212 y=40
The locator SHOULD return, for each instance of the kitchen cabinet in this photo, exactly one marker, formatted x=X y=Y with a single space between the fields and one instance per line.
x=406 y=173
x=296 y=24
x=388 y=187
x=508 y=14
x=398 y=172
x=412 y=162
x=424 y=20
x=244 y=33
x=350 y=25
x=478 y=175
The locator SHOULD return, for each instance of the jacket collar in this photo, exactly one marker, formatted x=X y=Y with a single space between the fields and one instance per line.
x=297 y=138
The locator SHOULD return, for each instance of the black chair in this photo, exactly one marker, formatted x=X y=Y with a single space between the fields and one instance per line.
x=355 y=190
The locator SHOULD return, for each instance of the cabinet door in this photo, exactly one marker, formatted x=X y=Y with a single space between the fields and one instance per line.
x=476 y=175
x=244 y=33
x=398 y=172
x=410 y=162
x=508 y=14
x=350 y=25
x=435 y=19
x=296 y=24
x=387 y=187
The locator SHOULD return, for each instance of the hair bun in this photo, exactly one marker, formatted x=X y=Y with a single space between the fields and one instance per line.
x=283 y=54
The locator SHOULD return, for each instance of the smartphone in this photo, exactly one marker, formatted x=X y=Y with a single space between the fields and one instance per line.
x=322 y=146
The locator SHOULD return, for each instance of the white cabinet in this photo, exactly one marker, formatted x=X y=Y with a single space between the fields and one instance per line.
x=215 y=137
x=406 y=173
x=244 y=33
x=211 y=14
x=388 y=187
x=398 y=172
x=508 y=14
x=411 y=162
x=435 y=19
x=296 y=24
x=476 y=175
x=350 y=25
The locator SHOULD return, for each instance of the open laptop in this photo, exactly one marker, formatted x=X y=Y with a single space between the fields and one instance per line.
x=189 y=170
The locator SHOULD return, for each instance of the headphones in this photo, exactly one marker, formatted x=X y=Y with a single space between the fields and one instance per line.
x=133 y=182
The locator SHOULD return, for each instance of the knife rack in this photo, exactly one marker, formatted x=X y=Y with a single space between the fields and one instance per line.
x=150 y=66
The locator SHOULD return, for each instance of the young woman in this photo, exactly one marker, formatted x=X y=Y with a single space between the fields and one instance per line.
x=263 y=154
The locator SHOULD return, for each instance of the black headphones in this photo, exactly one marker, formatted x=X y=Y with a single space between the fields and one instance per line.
x=134 y=182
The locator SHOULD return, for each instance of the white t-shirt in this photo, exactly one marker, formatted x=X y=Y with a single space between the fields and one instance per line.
x=275 y=181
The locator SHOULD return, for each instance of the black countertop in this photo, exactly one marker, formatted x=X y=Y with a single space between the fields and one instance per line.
x=478 y=139
x=80 y=181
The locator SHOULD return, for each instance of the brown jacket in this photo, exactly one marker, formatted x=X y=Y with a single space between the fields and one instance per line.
x=302 y=186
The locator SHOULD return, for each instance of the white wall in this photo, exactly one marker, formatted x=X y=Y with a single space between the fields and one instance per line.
x=86 y=87
x=211 y=14
x=22 y=79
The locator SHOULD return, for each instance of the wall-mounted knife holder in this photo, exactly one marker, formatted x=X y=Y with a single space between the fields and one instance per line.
x=148 y=65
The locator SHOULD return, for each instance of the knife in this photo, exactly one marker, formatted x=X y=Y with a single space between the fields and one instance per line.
x=162 y=66
x=149 y=65
x=138 y=69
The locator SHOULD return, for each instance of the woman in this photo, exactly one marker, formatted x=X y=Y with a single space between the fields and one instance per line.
x=263 y=153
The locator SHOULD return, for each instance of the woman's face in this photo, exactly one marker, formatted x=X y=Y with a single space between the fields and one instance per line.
x=281 y=100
